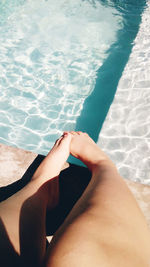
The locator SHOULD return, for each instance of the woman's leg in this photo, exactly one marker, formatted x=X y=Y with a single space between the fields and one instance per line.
x=106 y=226
x=22 y=216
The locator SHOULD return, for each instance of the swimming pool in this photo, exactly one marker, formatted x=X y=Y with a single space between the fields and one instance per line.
x=60 y=64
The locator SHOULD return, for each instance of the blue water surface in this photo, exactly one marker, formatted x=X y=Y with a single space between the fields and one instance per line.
x=60 y=64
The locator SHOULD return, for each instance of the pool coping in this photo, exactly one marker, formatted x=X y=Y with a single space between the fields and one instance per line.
x=15 y=161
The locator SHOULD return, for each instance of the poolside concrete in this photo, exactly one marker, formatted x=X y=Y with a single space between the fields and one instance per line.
x=125 y=134
x=14 y=163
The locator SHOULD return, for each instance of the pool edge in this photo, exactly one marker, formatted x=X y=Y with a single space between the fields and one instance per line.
x=15 y=161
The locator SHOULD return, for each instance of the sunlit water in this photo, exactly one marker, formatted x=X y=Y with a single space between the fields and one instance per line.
x=53 y=56
x=50 y=52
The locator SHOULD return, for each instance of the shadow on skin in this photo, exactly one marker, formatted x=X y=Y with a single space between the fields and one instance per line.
x=72 y=183
x=32 y=233
x=8 y=256
x=32 y=227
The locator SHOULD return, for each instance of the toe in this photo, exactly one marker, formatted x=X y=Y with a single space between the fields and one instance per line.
x=66 y=136
x=57 y=142
x=65 y=132
x=79 y=132
x=73 y=132
x=82 y=133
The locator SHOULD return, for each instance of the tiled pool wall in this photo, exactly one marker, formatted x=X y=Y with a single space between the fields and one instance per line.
x=125 y=135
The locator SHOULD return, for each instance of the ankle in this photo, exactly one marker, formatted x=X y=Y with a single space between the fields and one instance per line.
x=103 y=164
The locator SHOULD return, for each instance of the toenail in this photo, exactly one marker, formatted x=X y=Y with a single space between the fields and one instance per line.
x=65 y=134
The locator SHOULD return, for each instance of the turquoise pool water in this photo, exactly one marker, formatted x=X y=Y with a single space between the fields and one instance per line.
x=60 y=63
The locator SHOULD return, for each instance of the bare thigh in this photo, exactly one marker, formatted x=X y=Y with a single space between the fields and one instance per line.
x=105 y=228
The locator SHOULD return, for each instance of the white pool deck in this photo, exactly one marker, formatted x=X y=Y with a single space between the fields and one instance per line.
x=125 y=135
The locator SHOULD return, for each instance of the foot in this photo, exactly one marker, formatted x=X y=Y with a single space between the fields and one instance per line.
x=55 y=160
x=85 y=149
x=50 y=168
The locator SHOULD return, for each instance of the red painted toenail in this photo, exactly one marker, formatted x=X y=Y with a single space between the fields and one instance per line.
x=65 y=134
